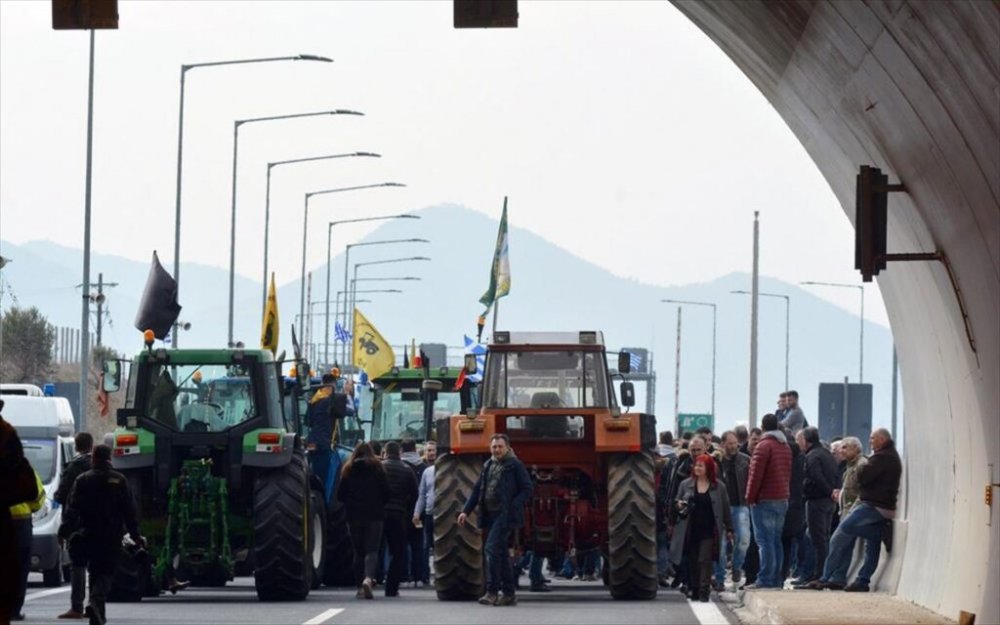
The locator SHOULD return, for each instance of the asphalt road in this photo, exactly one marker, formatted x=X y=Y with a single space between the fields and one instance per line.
x=569 y=603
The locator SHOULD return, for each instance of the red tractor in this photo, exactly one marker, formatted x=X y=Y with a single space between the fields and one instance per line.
x=591 y=463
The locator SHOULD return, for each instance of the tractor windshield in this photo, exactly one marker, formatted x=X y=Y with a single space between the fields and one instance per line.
x=400 y=414
x=200 y=398
x=546 y=379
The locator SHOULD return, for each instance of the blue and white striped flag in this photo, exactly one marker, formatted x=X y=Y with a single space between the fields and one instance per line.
x=634 y=361
x=472 y=347
x=340 y=334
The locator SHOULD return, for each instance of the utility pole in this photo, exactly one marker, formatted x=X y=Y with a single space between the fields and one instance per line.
x=677 y=378
x=99 y=299
x=754 y=297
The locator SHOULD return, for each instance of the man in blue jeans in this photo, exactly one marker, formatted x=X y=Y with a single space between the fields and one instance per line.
x=767 y=496
x=870 y=519
x=500 y=493
x=735 y=469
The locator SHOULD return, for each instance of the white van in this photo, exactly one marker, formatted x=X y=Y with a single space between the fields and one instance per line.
x=45 y=426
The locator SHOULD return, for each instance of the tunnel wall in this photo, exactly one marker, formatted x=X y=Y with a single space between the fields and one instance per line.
x=913 y=88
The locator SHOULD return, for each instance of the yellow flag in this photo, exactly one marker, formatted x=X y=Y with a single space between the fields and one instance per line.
x=269 y=331
x=371 y=351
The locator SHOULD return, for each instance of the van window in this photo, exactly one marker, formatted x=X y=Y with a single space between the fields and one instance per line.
x=41 y=453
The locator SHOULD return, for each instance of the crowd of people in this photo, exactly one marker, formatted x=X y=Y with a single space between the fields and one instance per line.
x=774 y=506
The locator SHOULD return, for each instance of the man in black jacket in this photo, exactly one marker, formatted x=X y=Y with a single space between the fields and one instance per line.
x=870 y=518
x=100 y=507
x=817 y=487
x=402 y=496
x=80 y=464
x=500 y=494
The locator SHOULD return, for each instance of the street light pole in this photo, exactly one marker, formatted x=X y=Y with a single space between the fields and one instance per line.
x=713 y=306
x=267 y=204
x=787 y=324
x=180 y=147
x=232 y=225
x=861 y=346
x=305 y=224
x=329 y=232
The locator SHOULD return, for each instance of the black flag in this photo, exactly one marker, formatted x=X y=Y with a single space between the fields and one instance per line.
x=158 y=309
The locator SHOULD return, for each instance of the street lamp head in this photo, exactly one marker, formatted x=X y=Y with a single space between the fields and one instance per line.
x=417 y=241
x=393 y=184
x=346 y=112
x=372 y=154
x=407 y=216
x=313 y=57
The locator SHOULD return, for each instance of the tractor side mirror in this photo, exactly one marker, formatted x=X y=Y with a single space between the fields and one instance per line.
x=431 y=388
x=624 y=362
x=627 y=391
x=471 y=366
x=302 y=374
x=112 y=370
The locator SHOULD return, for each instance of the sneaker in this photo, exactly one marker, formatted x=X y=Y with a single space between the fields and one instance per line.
x=506 y=600
x=703 y=597
x=176 y=585
x=366 y=588
x=737 y=576
x=856 y=587
x=95 y=618
x=718 y=586
x=664 y=582
x=488 y=599
x=804 y=585
x=833 y=586
x=539 y=588
x=73 y=613
x=816 y=584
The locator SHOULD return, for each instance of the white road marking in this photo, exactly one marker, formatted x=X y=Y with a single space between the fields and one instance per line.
x=324 y=617
x=46 y=593
x=708 y=613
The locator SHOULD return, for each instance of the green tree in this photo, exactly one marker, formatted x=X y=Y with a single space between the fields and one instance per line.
x=27 y=346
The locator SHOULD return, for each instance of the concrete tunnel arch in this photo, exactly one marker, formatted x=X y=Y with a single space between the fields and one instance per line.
x=912 y=87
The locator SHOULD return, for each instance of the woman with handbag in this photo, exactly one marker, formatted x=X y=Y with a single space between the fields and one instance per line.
x=704 y=523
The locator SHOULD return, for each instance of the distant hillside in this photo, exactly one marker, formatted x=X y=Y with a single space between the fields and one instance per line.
x=551 y=289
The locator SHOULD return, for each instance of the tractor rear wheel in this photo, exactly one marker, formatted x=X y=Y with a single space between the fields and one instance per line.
x=339 y=569
x=458 y=550
x=631 y=527
x=281 y=556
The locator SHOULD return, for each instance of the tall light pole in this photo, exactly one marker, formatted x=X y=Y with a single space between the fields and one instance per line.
x=347 y=261
x=81 y=419
x=754 y=301
x=305 y=230
x=713 y=306
x=329 y=234
x=180 y=145
x=267 y=203
x=787 y=324
x=374 y=262
x=232 y=218
x=861 y=340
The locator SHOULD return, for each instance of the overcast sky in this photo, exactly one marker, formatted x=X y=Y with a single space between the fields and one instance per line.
x=617 y=129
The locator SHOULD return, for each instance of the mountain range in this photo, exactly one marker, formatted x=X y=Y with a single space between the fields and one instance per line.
x=552 y=289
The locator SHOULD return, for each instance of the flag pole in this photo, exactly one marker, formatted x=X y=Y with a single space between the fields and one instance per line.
x=496 y=310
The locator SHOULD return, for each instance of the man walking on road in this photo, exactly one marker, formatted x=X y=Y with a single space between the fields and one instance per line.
x=735 y=470
x=767 y=496
x=100 y=507
x=423 y=511
x=80 y=464
x=500 y=494
x=402 y=497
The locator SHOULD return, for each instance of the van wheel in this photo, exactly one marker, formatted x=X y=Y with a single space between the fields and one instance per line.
x=52 y=578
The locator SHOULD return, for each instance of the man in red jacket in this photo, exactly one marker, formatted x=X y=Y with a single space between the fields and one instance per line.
x=767 y=496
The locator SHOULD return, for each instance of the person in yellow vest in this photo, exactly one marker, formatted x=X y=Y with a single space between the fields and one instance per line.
x=17 y=484
x=20 y=514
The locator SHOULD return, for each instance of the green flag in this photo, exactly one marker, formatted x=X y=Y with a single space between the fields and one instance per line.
x=500 y=272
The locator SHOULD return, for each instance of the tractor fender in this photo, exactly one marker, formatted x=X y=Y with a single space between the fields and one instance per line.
x=271 y=458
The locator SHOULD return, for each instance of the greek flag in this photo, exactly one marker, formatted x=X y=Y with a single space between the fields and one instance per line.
x=340 y=333
x=634 y=361
x=472 y=347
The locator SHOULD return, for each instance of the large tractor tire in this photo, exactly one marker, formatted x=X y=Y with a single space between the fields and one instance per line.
x=317 y=537
x=281 y=555
x=631 y=527
x=339 y=569
x=458 y=550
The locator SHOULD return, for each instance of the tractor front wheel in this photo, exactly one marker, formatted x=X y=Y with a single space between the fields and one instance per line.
x=281 y=554
x=631 y=527
x=458 y=550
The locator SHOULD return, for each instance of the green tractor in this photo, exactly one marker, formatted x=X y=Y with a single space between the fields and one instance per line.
x=406 y=403
x=218 y=470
